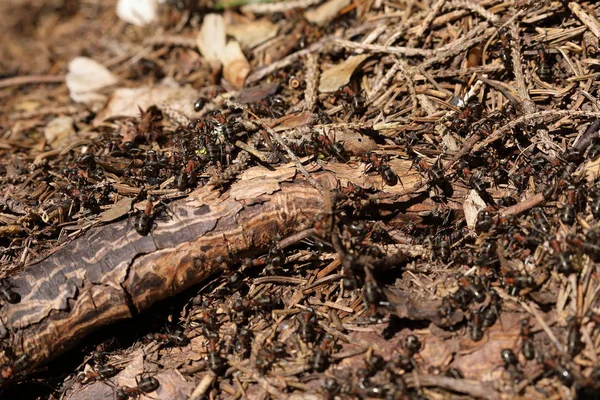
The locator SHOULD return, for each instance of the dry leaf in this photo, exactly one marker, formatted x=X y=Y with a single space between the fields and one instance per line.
x=339 y=75
x=325 y=12
x=137 y=12
x=592 y=169
x=119 y=209
x=473 y=204
x=85 y=78
x=60 y=132
x=251 y=34
x=355 y=143
x=292 y=121
x=256 y=93
x=125 y=101
x=211 y=38
x=235 y=66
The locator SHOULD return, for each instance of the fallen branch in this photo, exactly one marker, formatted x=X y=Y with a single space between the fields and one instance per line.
x=112 y=273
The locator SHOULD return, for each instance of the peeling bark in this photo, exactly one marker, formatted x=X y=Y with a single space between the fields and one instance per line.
x=112 y=273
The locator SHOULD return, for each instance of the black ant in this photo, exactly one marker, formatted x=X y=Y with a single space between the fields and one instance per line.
x=175 y=338
x=215 y=362
x=306 y=327
x=574 y=343
x=101 y=372
x=380 y=165
x=527 y=346
x=146 y=384
x=511 y=365
x=320 y=357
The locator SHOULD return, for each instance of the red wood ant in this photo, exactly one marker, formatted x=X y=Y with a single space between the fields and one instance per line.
x=146 y=384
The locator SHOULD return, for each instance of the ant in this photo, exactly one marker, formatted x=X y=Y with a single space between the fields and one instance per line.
x=471 y=113
x=200 y=103
x=320 y=357
x=544 y=70
x=306 y=327
x=146 y=384
x=380 y=165
x=562 y=259
x=564 y=374
x=406 y=361
x=474 y=285
x=590 y=246
x=574 y=343
x=143 y=221
x=372 y=296
x=101 y=372
x=517 y=283
x=15 y=367
x=527 y=346
x=243 y=342
x=484 y=221
x=215 y=362
x=328 y=146
x=491 y=312
x=176 y=338
x=511 y=365
x=505 y=53
x=441 y=249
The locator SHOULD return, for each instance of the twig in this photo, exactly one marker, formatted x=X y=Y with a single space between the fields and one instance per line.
x=475 y=36
x=501 y=87
x=289 y=60
x=203 y=386
x=171 y=40
x=527 y=105
x=588 y=20
x=409 y=82
x=428 y=20
x=484 y=390
x=541 y=114
x=523 y=205
x=531 y=308
x=289 y=151
x=270 y=8
x=474 y=7
x=465 y=149
x=588 y=136
x=376 y=48
x=31 y=80
x=293 y=239
x=311 y=78
x=251 y=150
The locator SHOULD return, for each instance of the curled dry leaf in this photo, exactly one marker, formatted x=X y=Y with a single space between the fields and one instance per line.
x=339 y=75
x=325 y=12
x=292 y=121
x=256 y=93
x=85 y=78
x=235 y=66
x=137 y=12
x=211 y=42
x=251 y=34
x=355 y=143
x=473 y=204
x=211 y=38
x=127 y=102
x=118 y=210
x=60 y=132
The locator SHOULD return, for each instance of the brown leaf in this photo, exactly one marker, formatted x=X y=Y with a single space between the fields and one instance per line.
x=339 y=75
x=119 y=209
